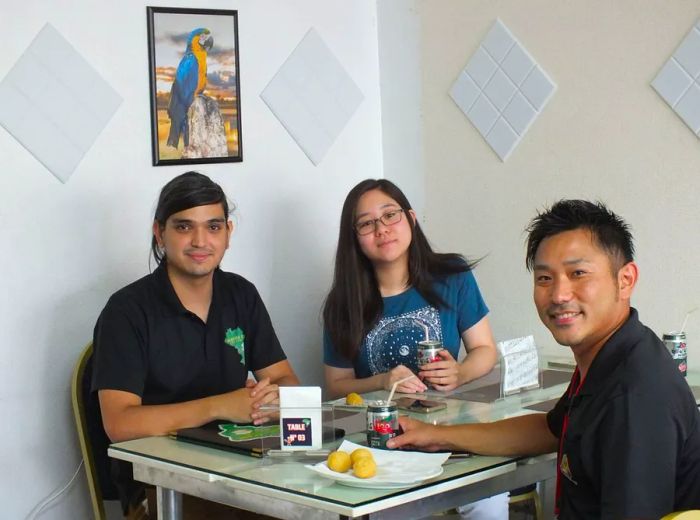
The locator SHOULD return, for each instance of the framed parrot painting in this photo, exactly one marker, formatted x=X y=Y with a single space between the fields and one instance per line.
x=194 y=86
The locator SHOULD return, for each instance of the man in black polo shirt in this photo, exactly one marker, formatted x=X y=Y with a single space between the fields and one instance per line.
x=627 y=430
x=173 y=349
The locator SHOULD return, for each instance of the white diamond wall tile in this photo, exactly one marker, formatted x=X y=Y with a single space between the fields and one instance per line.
x=519 y=113
x=688 y=53
x=678 y=81
x=313 y=96
x=55 y=103
x=481 y=67
x=517 y=64
x=502 y=90
x=672 y=82
x=498 y=41
x=464 y=92
x=689 y=108
x=537 y=88
x=483 y=115
x=499 y=90
x=502 y=138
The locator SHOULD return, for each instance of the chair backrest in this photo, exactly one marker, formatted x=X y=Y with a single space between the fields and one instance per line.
x=93 y=439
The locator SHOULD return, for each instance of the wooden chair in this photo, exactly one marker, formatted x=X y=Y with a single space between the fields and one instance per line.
x=79 y=387
x=528 y=493
x=683 y=515
x=94 y=441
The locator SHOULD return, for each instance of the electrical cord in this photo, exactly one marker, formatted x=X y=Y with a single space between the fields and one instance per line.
x=37 y=509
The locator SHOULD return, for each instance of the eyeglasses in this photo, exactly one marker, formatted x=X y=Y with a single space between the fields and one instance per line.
x=365 y=227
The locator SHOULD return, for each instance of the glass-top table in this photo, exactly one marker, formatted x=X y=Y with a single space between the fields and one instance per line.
x=282 y=487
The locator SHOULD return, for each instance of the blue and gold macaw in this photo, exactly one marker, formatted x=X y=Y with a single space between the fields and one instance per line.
x=190 y=81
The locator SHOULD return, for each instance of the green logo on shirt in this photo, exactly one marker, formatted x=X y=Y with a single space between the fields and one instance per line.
x=236 y=339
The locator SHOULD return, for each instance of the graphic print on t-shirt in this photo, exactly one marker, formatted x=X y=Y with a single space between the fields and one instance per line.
x=236 y=339
x=394 y=340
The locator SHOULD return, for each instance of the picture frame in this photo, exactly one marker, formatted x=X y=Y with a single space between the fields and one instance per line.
x=194 y=84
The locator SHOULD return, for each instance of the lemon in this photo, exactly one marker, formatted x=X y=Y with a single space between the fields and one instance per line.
x=360 y=453
x=354 y=399
x=339 y=461
x=365 y=467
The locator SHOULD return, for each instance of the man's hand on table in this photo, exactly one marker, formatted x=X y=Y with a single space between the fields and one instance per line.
x=243 y=405
x=263 y=393
x=416 y=434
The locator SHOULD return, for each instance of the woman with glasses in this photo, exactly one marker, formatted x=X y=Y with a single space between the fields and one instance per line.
x=389 y=288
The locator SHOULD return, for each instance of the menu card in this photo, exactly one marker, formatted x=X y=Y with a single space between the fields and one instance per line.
x=520 y=365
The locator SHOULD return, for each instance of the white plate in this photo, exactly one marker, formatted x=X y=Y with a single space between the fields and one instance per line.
x=394 y=468
x=386 y=473
x=368 y=483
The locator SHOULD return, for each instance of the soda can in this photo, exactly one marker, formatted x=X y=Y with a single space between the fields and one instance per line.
x=382 y=423
x=675 y=343
x=428 y=352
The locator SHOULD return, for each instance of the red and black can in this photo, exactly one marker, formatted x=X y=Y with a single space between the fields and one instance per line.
x=675 y=343
x=382 y=423
x=429 y=351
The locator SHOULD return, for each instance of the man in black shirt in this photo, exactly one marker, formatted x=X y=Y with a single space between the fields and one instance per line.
x=173 y=349
x=627 y=430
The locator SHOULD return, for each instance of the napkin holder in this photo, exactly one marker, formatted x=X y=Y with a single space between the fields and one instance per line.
x=301 y=418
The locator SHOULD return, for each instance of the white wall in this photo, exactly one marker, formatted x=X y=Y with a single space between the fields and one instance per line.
x=67 y=247
x=400 y=72
x=605 y=134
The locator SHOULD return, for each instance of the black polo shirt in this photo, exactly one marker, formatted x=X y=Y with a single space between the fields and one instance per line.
x=148 y=344
x=633 y=439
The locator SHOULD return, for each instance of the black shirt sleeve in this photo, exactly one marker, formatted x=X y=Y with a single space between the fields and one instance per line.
x=638 y=440
x=120 y=360
x=555 y=417
x=264 y=349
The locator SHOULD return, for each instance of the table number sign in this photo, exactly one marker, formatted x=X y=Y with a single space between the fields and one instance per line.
x=300 y=418
x=297 y=431
x=519 y=365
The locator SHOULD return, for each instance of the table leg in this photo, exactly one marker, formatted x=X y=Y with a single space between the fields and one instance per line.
x=169 y=504
x=547 y=491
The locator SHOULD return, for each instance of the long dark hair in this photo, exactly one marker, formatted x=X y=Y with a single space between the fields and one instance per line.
x=188 y=190
x=354 y=304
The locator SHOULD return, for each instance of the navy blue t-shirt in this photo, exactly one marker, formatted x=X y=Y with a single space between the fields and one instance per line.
x=394 y=339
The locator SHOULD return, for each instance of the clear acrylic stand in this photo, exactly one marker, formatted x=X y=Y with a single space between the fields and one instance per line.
x=520 y=367
x=293 y=425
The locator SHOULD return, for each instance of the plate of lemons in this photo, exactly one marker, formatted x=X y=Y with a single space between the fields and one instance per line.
x=355 y=465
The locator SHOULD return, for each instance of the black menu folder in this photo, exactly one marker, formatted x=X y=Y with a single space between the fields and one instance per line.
x=243 y=438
